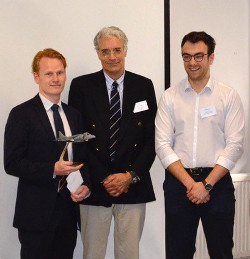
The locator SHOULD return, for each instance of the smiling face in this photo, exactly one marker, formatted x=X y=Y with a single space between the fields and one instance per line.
x=198 y=72
x=112 y=56
x=51 y=78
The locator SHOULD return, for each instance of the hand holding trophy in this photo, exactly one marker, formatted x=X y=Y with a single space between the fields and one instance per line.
x=74 y=178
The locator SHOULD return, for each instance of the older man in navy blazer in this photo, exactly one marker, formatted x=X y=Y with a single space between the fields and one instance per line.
x=121 y=155
x=46 y=212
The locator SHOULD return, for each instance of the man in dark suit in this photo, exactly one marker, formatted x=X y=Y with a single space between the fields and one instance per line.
x=46 y=212
x=119 y=108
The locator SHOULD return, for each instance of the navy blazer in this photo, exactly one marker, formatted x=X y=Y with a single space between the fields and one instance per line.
x=135 y=149
x=30 y=153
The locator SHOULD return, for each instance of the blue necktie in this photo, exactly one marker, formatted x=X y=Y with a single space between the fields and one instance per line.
x=59 y=127
x=115 y=118
x=57 y=120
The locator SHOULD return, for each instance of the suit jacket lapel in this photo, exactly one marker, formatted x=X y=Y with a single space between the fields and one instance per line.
x=128 y=103
x=42 y=115
x=101 y=101
x=69 y=119
x=72 y=124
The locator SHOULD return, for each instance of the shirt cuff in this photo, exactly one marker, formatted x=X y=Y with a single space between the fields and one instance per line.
x=87 y=195
x=169 y=160
x=228 y=164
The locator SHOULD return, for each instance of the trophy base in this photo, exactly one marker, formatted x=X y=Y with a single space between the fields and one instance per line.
x=76 y=163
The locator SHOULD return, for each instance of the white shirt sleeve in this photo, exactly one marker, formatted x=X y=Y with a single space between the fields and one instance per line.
x=164 y=131
x=234 y=132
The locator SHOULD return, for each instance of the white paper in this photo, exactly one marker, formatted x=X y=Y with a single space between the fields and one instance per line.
x=208 y=111
x=74 y=181
x=141 y=106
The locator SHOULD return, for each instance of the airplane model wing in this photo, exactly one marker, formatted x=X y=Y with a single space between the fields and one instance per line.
x=75 y=138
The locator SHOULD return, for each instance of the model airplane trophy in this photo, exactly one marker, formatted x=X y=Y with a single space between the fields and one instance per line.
x=74 y=179
x=73 y=139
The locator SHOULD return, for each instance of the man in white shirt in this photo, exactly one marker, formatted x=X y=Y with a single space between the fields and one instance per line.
x=199 y=138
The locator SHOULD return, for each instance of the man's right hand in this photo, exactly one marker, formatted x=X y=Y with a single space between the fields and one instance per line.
x=65 y=167
x=198 y=194
x=116 y=184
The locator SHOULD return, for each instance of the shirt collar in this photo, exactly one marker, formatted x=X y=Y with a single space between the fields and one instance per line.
x=47 y=103
x=109 y=80
x=209 y=85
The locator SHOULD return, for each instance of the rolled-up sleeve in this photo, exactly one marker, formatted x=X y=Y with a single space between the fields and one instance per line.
x=164 y=131
x=234 y=132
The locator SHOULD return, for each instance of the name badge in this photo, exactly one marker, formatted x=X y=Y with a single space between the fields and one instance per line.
x=208 y=111
x=141 y=106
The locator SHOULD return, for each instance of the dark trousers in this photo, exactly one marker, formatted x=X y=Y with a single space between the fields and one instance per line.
x=58 y=240
x=182 y=219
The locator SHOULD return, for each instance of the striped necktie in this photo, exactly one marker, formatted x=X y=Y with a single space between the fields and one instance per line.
x=115 y=118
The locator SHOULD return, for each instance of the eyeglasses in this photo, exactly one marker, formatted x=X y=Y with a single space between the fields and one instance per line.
x=197 y=57
x=107 y=52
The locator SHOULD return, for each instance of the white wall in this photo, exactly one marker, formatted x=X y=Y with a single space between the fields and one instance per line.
x=69 y=26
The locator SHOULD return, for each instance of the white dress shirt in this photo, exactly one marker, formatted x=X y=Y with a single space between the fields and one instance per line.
x=200 y=129
x=47 y=105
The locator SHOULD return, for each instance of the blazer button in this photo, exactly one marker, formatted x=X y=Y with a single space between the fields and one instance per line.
x=135 y=144
x=93 y=126
x=139 y=123
x=97 y=149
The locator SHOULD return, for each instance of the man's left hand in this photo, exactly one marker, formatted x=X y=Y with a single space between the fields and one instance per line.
x=116 y=184
x=80 y=193
x=198 y=194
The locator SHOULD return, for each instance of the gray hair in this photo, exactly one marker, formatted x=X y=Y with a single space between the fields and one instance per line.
x=111 y=31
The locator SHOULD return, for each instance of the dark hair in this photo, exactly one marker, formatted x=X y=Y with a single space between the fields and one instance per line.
x=196 y=36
